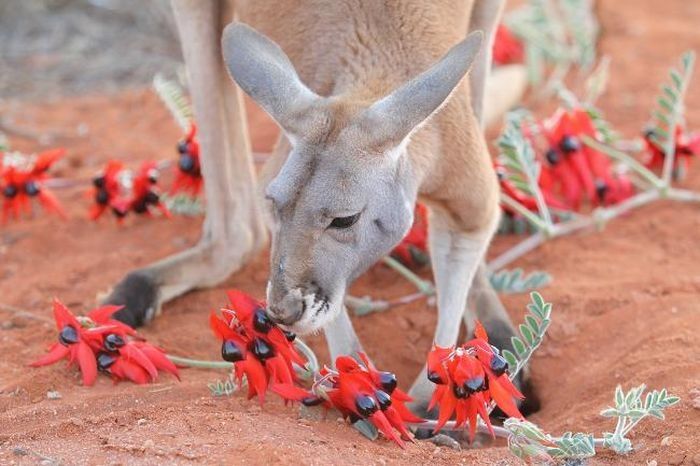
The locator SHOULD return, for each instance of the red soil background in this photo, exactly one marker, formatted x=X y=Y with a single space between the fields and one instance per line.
x=625 y=302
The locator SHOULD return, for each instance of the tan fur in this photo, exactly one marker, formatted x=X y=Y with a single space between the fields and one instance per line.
x=448 y=154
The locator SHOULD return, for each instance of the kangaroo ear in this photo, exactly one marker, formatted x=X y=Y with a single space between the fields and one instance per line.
x=266 y=74
x=396 y=116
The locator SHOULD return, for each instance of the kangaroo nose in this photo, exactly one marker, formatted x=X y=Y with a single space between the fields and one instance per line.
x=288 y=309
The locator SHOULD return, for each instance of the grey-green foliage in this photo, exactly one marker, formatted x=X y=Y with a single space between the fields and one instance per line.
x=4 y=145
x=517 y=156
x=583 y=30
x=629 y=410
x=559 y=32
x=183 y=204
x=173 y=96
x=223 y=387
x=606 y=134
x=516 y=281
x=669 y=111
x=532 y=332
x=529 y=442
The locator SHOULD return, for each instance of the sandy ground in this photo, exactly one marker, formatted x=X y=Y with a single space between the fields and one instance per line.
x=625 y=302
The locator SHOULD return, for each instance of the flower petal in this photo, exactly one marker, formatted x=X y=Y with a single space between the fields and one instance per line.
x=56 y=353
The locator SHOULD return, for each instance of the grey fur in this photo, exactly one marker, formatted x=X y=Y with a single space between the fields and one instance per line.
x=325 y=176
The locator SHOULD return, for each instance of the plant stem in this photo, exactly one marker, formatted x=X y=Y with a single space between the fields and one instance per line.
x=625 y=159
x=198 y=363
x=522 y=210
x=450 y=425
x=670 y=146
x=312 y=361
x=423 y=286
x=683 y=195
x=604 y=214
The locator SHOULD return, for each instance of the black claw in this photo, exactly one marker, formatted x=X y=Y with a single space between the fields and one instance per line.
x=388 y=381
x=312 y=401
x=569 y=144
x=601 y=189
x=186 y=163
x=102 y=197
x=230 y=351
x=383 y=398
x=459 y=391
x=140 y=207
x=10 y=191
x=182 y=147
x=498 y=365
x=105 y=361
x=365 y=405
x=68 y=336
x=434 y=377
x=113 y=342
x=552 y=156
x=261 y=321
x=473 y=385
x=151 y=198
x=289 y=335
x=138 y=293
x=31 y=188
x=261 y=350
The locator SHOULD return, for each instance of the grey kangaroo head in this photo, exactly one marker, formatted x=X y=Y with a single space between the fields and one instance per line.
x=345 y=195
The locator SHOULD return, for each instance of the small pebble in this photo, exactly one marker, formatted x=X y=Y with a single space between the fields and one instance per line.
x=696 y=460
x=141 y=422
x=148 y=443
x=53 y=395
x=666 y=442
x=652 y=463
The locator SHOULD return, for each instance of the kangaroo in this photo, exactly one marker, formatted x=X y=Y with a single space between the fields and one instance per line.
x=375 y=113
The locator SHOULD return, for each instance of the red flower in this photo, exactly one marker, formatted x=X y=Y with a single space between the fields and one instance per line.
x=256 y=346
x=106 y=191
x=115 y=189
x=98 y=342
x=467 y=378
x=75 y=342
x=413 y=249
x=188 y=173
x=23 y=181
x=506 y=47
x=128 y=359
x=687 y=146
x=144 y=195
x=360 y=392
x=575 y=170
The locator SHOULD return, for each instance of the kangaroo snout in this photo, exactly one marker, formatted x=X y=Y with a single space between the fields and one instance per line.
x=289 y=307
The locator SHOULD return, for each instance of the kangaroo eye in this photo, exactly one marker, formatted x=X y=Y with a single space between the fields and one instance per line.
x=344 y=222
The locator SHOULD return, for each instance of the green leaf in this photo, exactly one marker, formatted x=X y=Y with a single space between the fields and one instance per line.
x=532 y=322
x=619 y=397
x=677 y=80
x=610 y=412
x=518 y=346
x=510 y=358
x=365 y=428
x=665 y=104
x=527 y=334
x=670 y=94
